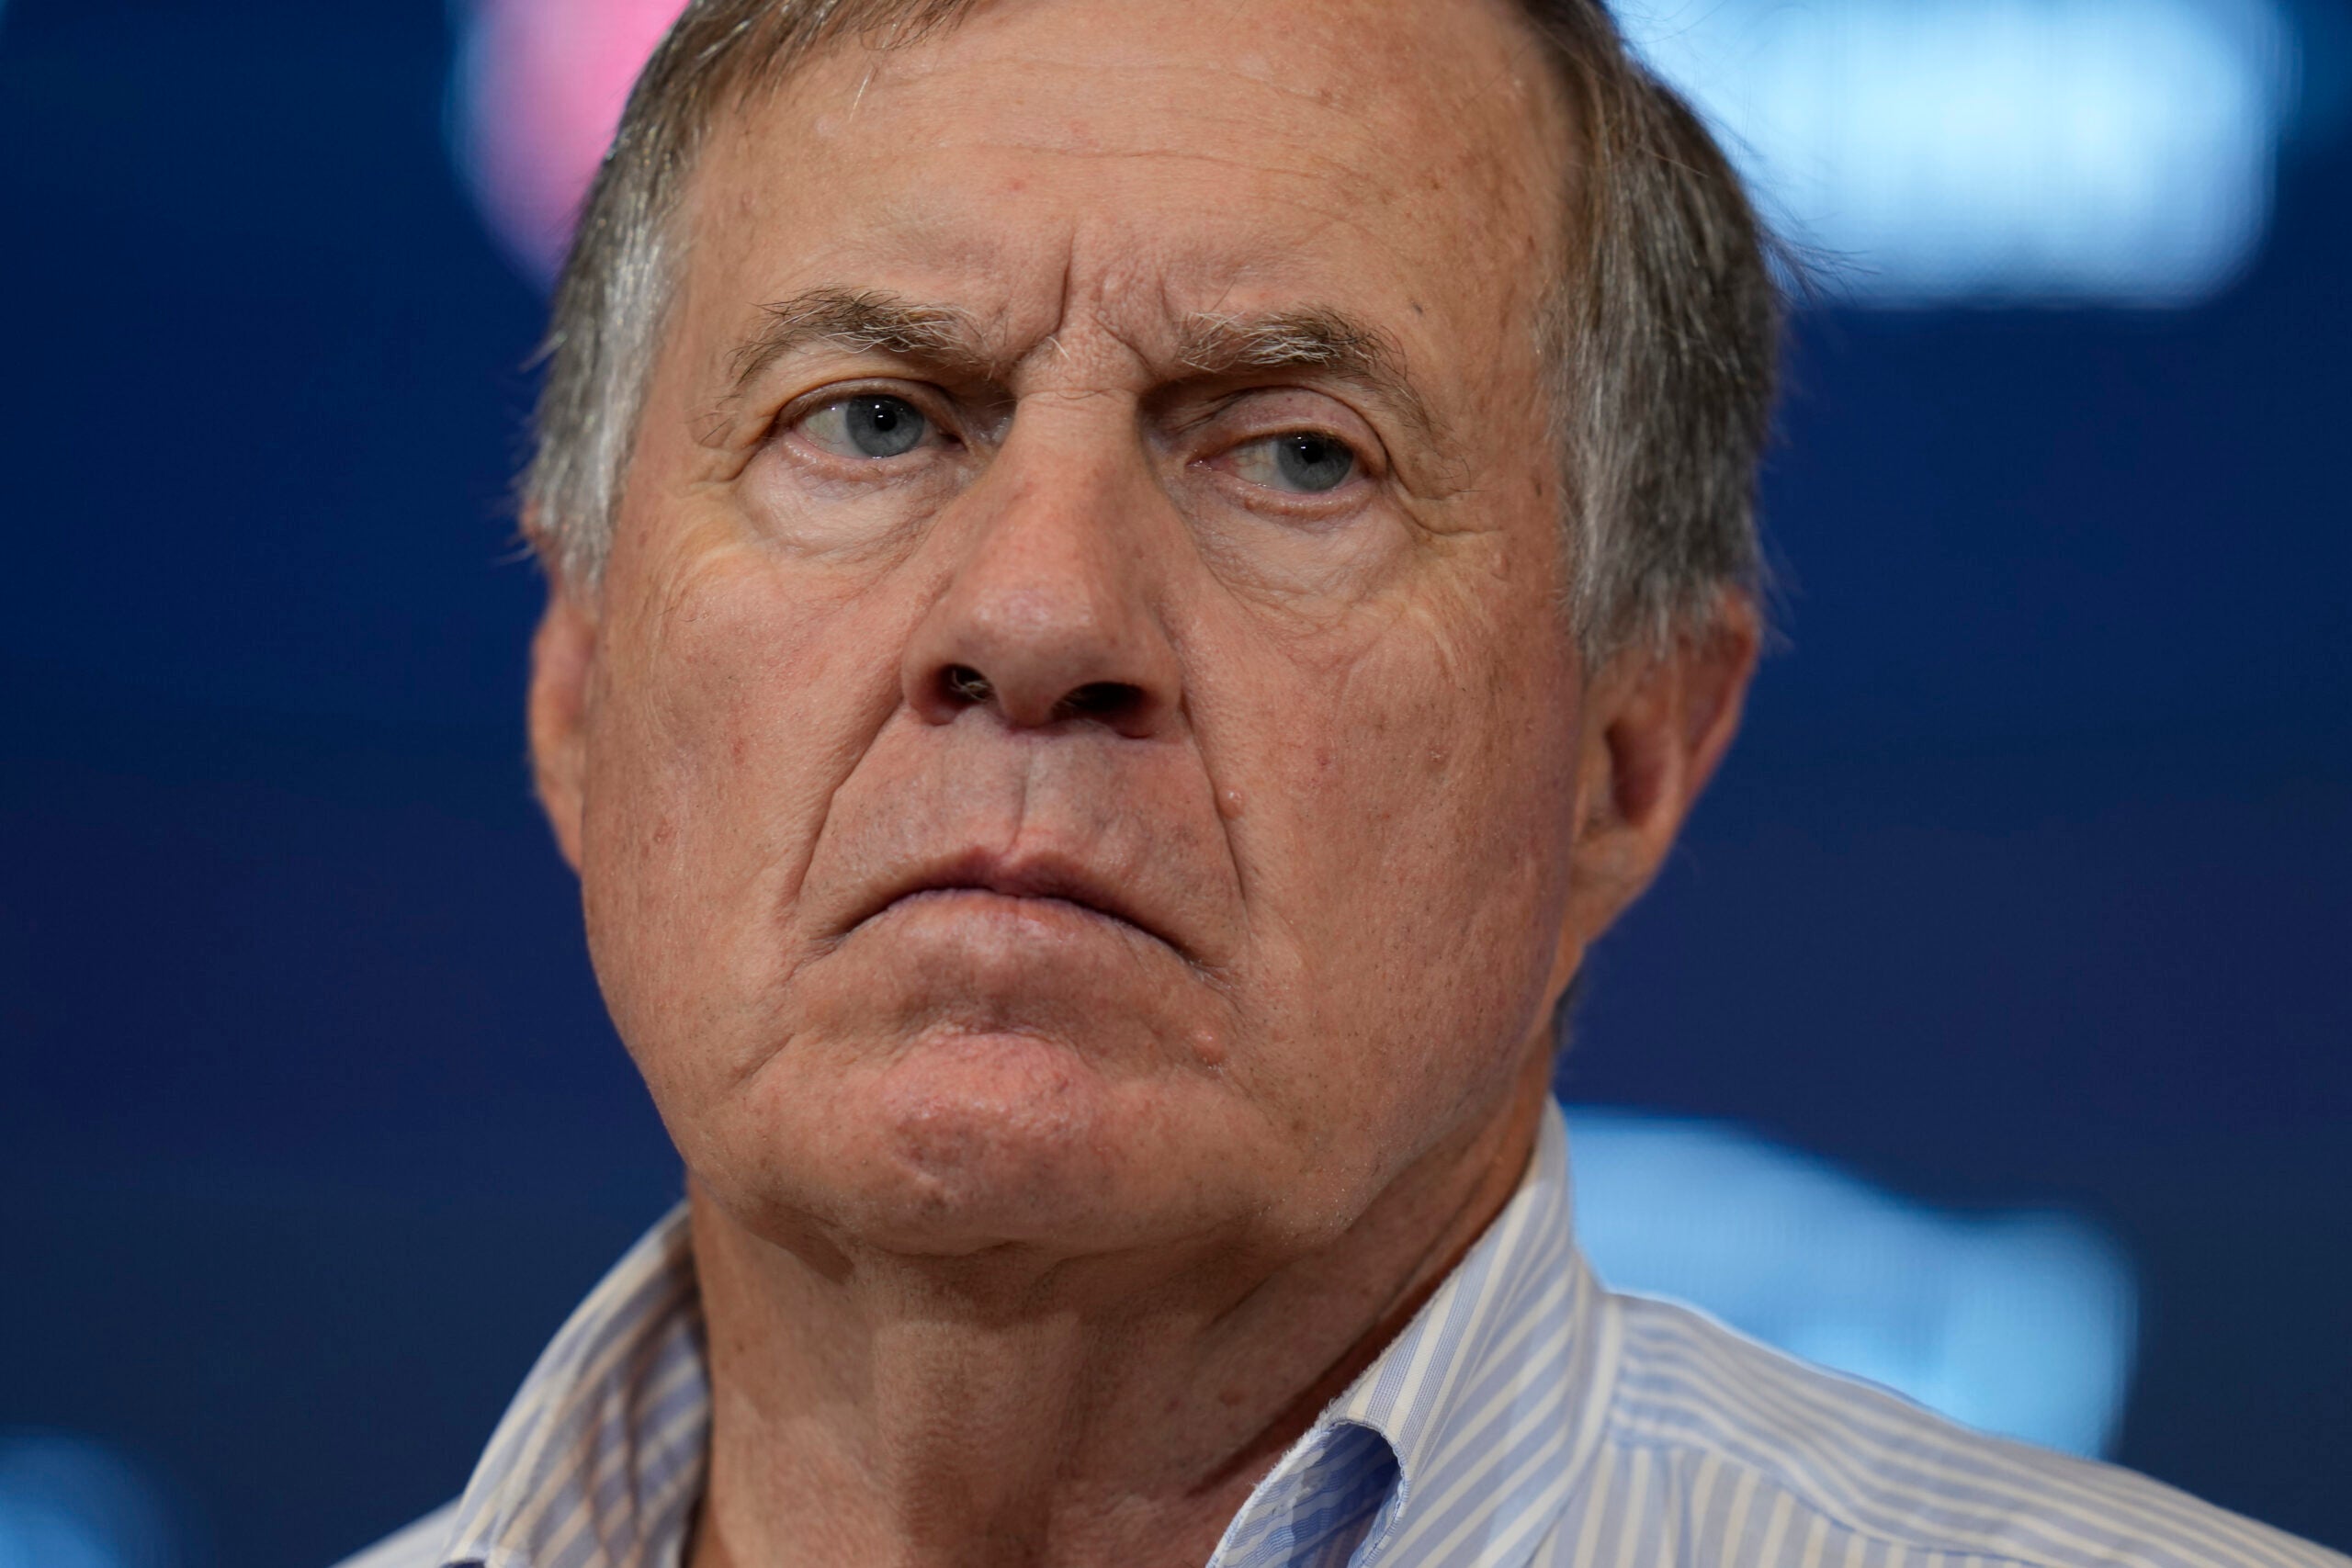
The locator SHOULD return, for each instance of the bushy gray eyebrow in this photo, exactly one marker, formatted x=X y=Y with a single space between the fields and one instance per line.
x=862 y=321
x=1317 y=338
x=1328 y=342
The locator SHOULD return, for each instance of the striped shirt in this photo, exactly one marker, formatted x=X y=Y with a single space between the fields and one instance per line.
x=1527 y=1418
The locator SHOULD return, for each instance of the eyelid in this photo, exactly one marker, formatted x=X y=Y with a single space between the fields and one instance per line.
x=1358 y=433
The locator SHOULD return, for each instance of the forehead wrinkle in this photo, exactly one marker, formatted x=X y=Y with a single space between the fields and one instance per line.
x=890 y=74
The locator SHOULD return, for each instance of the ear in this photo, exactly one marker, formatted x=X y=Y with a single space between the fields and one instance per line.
x=1656 y=724
x=562 y=653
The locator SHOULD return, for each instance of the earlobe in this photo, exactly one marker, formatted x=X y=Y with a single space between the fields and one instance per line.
x=562 y=653
x=1676 y=719
x=1657 y=725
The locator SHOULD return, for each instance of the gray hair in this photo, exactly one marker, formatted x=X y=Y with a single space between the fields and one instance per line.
x=1662 y=331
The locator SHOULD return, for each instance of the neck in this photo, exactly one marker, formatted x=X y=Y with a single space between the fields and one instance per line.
x=887 y=1410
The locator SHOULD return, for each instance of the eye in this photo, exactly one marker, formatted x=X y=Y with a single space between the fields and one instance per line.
x=873 y=425
x=1305 y=462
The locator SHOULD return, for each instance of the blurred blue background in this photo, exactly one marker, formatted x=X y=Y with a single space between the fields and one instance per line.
x=1988 y=1035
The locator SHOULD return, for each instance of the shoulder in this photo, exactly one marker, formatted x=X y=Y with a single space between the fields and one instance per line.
x=419 y=1545
x=1741 y=1440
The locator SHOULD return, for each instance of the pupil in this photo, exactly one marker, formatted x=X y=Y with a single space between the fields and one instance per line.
x=1314 y=462
x=884 y=427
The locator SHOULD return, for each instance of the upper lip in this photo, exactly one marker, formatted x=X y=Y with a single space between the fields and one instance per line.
x=1039 y=874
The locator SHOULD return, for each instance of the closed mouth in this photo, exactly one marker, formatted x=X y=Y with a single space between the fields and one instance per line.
x=1046 y=879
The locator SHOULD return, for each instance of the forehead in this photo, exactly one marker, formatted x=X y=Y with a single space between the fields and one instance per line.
x=1144 y=160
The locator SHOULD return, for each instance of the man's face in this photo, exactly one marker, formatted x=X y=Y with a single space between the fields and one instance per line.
x=1077 y=744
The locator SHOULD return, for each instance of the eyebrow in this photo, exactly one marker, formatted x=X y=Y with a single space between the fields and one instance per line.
x=1316 y=338
x=1329 y=342
x=861 y=321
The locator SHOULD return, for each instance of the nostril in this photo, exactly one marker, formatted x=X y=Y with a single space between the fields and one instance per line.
x=963 y=685
x=1105 y=700
x=1120 y=704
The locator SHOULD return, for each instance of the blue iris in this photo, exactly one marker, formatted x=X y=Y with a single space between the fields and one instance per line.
x=1309 y=462
x=882 y=427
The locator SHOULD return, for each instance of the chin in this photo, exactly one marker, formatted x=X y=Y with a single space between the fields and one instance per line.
x=1002 y=1131
x=963 y=1142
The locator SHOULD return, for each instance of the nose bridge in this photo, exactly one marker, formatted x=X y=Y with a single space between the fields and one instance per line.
x=1052 y=612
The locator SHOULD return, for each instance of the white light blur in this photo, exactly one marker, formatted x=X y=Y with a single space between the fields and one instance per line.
x=2021 y=1323
x=1996 y=152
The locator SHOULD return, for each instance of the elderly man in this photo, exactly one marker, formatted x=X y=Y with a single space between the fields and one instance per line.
x=1134 y=582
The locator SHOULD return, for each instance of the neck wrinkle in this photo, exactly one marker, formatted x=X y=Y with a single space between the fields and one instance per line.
x=1000 y=1437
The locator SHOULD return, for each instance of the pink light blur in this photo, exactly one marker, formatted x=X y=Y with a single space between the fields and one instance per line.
x=537 y=89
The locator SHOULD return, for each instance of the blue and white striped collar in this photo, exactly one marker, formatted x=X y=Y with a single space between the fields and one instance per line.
x=1461 y=1443
x=1480 y=1415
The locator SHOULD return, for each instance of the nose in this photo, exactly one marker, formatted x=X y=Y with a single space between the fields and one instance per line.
x=1050 y=616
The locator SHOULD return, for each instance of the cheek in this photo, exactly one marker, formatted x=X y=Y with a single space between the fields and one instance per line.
x=730 y=705
x=1418 y=781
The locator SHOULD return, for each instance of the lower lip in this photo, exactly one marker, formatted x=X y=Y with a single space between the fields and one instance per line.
x=981 y=903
